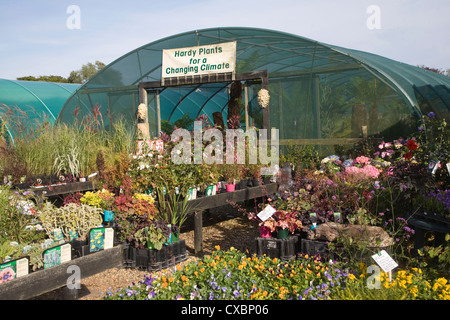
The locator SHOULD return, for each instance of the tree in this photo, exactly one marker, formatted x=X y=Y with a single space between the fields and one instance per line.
x=45 y=78
x=86 y=72
x=77 y=76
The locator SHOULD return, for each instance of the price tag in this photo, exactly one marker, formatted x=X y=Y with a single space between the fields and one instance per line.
x=266 y=213
x=384 y=260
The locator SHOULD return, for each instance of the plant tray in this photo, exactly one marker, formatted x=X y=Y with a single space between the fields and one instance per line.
x=284 y=249
x=155 y=260
x=315 y=247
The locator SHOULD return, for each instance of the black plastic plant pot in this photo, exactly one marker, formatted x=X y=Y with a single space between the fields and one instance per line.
x=283 y=249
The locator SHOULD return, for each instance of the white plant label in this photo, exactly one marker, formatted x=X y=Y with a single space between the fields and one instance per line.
x=266 y=213
x=384 y=260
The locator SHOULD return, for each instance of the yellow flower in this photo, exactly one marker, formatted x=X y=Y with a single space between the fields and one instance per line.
x=217 y=247
x=414 y=291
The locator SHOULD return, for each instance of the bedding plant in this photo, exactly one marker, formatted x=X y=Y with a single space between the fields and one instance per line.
x=234 y=275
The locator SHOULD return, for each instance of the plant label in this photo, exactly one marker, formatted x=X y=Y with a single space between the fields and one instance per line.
x=14 y=269
x=433 y=166
x=266 y=213
x=57 y=255
x=384 y=260
x=100 y=239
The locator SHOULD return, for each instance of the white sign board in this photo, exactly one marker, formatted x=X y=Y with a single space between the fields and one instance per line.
x=384 y=260
x=201 y=60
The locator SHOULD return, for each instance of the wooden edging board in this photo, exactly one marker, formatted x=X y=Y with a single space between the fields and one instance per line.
x=46 y=280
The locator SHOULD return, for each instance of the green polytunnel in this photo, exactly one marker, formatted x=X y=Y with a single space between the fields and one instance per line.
x=320 y=94
x=26 y=105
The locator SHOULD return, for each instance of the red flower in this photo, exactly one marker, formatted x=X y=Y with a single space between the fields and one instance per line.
x=407 y=155
x=412 y=145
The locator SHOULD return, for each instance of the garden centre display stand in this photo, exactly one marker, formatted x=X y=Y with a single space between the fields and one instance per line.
x=46 y=280
x=222 y=199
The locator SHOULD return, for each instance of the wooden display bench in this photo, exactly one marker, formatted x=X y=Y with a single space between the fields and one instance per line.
x=42 y=281
x=46 y=280
x=204 y=203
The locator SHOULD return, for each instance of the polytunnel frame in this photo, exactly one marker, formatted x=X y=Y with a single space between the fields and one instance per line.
x=158 y=86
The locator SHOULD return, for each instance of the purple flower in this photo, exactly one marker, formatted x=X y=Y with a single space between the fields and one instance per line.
x=431 y=115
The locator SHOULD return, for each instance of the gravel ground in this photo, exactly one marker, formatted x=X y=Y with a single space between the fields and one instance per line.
x=223 y=226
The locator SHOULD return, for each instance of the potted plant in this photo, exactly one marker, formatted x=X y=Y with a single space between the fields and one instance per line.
x=254 y=171
x=102 y=199
x=231 y=173
x=72 y=221
x=151 y=237
x=282 y=222
x=175 y=211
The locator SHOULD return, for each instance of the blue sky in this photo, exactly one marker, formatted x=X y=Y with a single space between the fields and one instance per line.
x=35 y=39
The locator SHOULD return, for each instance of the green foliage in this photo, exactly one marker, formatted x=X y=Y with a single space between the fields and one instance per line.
x=302 y=157
x=63 y=149
x=69 y=218
x=151 y=236
x=176 y=210
x=435 y=260
x=17 y=216
x=185 y=122
x=86 y=72
x=11 y=251
x=52 y=78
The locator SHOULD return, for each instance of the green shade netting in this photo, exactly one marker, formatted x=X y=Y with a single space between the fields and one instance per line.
x=25 y=105
x=318 y=91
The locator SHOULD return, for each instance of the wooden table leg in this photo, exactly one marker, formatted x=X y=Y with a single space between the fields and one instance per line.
x=198 y=233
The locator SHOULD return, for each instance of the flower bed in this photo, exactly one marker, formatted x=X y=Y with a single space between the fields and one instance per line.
x=233 y=275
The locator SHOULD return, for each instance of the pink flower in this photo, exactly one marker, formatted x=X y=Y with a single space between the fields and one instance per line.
x=362 y=160
x=352 y=170
x=371 y=171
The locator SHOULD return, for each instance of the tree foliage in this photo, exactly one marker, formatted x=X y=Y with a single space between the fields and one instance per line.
x=86 y=72
x=76 y=76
